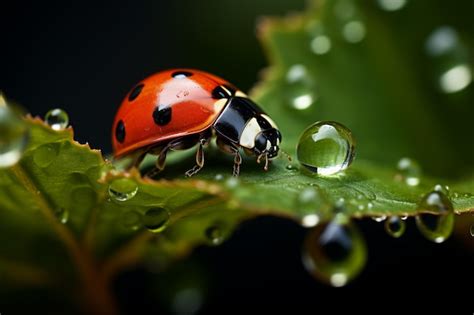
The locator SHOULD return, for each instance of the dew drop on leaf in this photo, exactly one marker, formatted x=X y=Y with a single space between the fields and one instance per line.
x=334 y=252
x=326 y=148
x=57 y=119
x=408 y=171
x=156 y=219
x=436 y=223
x=122 y=189
x=14 y=134
x=395 y=226
x=45 y=154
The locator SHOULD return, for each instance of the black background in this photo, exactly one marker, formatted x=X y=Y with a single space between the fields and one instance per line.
x=85 y=58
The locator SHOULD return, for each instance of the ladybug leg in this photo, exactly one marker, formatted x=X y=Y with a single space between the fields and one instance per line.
x=137 y=160
x=160 y=161
x=231 y=148
x=199 y=159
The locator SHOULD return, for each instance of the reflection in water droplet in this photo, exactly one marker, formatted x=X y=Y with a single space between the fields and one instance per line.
x=214 y=235
x=307 y=204
x=131 y=220
x=320 y=45
x=471 y=230
x=123 y=189
x=441 y=41
x=14 y=134
x=354 y=31
x=326 y=148
x=334 y=252
x=45 y=154
x=391 y=5
x=455 y=79
x=395 y=226
x=408 y=171
x=62 y=215
x=437 y=225
x=57 y=118
x=156 y=219
x=442 y=188
x=291 y=167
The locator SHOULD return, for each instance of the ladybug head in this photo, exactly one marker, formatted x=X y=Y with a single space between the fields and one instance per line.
x=267 y=143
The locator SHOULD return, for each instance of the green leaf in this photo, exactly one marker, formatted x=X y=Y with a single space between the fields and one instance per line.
x=60 y=224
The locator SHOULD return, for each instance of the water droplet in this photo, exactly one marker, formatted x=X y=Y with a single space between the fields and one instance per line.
x=455 y=79
x=326 y=148
x=471 y=230
x=437 y=225
x=404 y=217
x=214 y=235
x=291 y=167
x=57 y=118
x=156 y=219
x=379 y=218
x=123 y=189
x=310 y=206
x=45 y=154
x=334 y=252
x=391 y=5
x=395 y=226
x=310 y=220
x=219 y=177
x=354 y=31
x=320 y=44
x=296 y=73
x=131 y=220
x=14 y=136
x=408 y=171
x=62 y=215
x=442 y=188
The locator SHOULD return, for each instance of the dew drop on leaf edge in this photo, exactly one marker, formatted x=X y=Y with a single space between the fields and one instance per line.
x=334 y=252
x=57 y=119
x=326 y=148
x=437 y=225
x=395 y=226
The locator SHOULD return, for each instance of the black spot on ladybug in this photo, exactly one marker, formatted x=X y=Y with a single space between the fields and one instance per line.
x=220 y=92
x=181 y=74
x=135 y=92
x=120 y=132
x=162 y=116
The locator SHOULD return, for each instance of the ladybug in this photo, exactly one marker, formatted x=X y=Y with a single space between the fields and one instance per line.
x=178 y=109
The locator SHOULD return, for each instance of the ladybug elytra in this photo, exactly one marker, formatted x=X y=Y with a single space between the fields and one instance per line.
x=178 y=109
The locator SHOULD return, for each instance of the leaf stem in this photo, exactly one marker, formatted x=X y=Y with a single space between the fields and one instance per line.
x=95 y=288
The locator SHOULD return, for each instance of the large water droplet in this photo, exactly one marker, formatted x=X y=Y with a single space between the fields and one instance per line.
x=45 y=154
x=131 y=220
x=395 y=226
x=156 y=219
x=408 y=171
x=57 y=118
x=309 y=205
x=334 y=253
x=14 y=136
x=326 y=148
x=391 y=5
x=353 y=31
x=437 y=225
x=123 y=189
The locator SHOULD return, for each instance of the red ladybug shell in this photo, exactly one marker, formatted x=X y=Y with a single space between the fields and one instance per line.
x=166 y=105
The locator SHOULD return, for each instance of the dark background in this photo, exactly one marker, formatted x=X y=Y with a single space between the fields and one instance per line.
x=84 y=59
